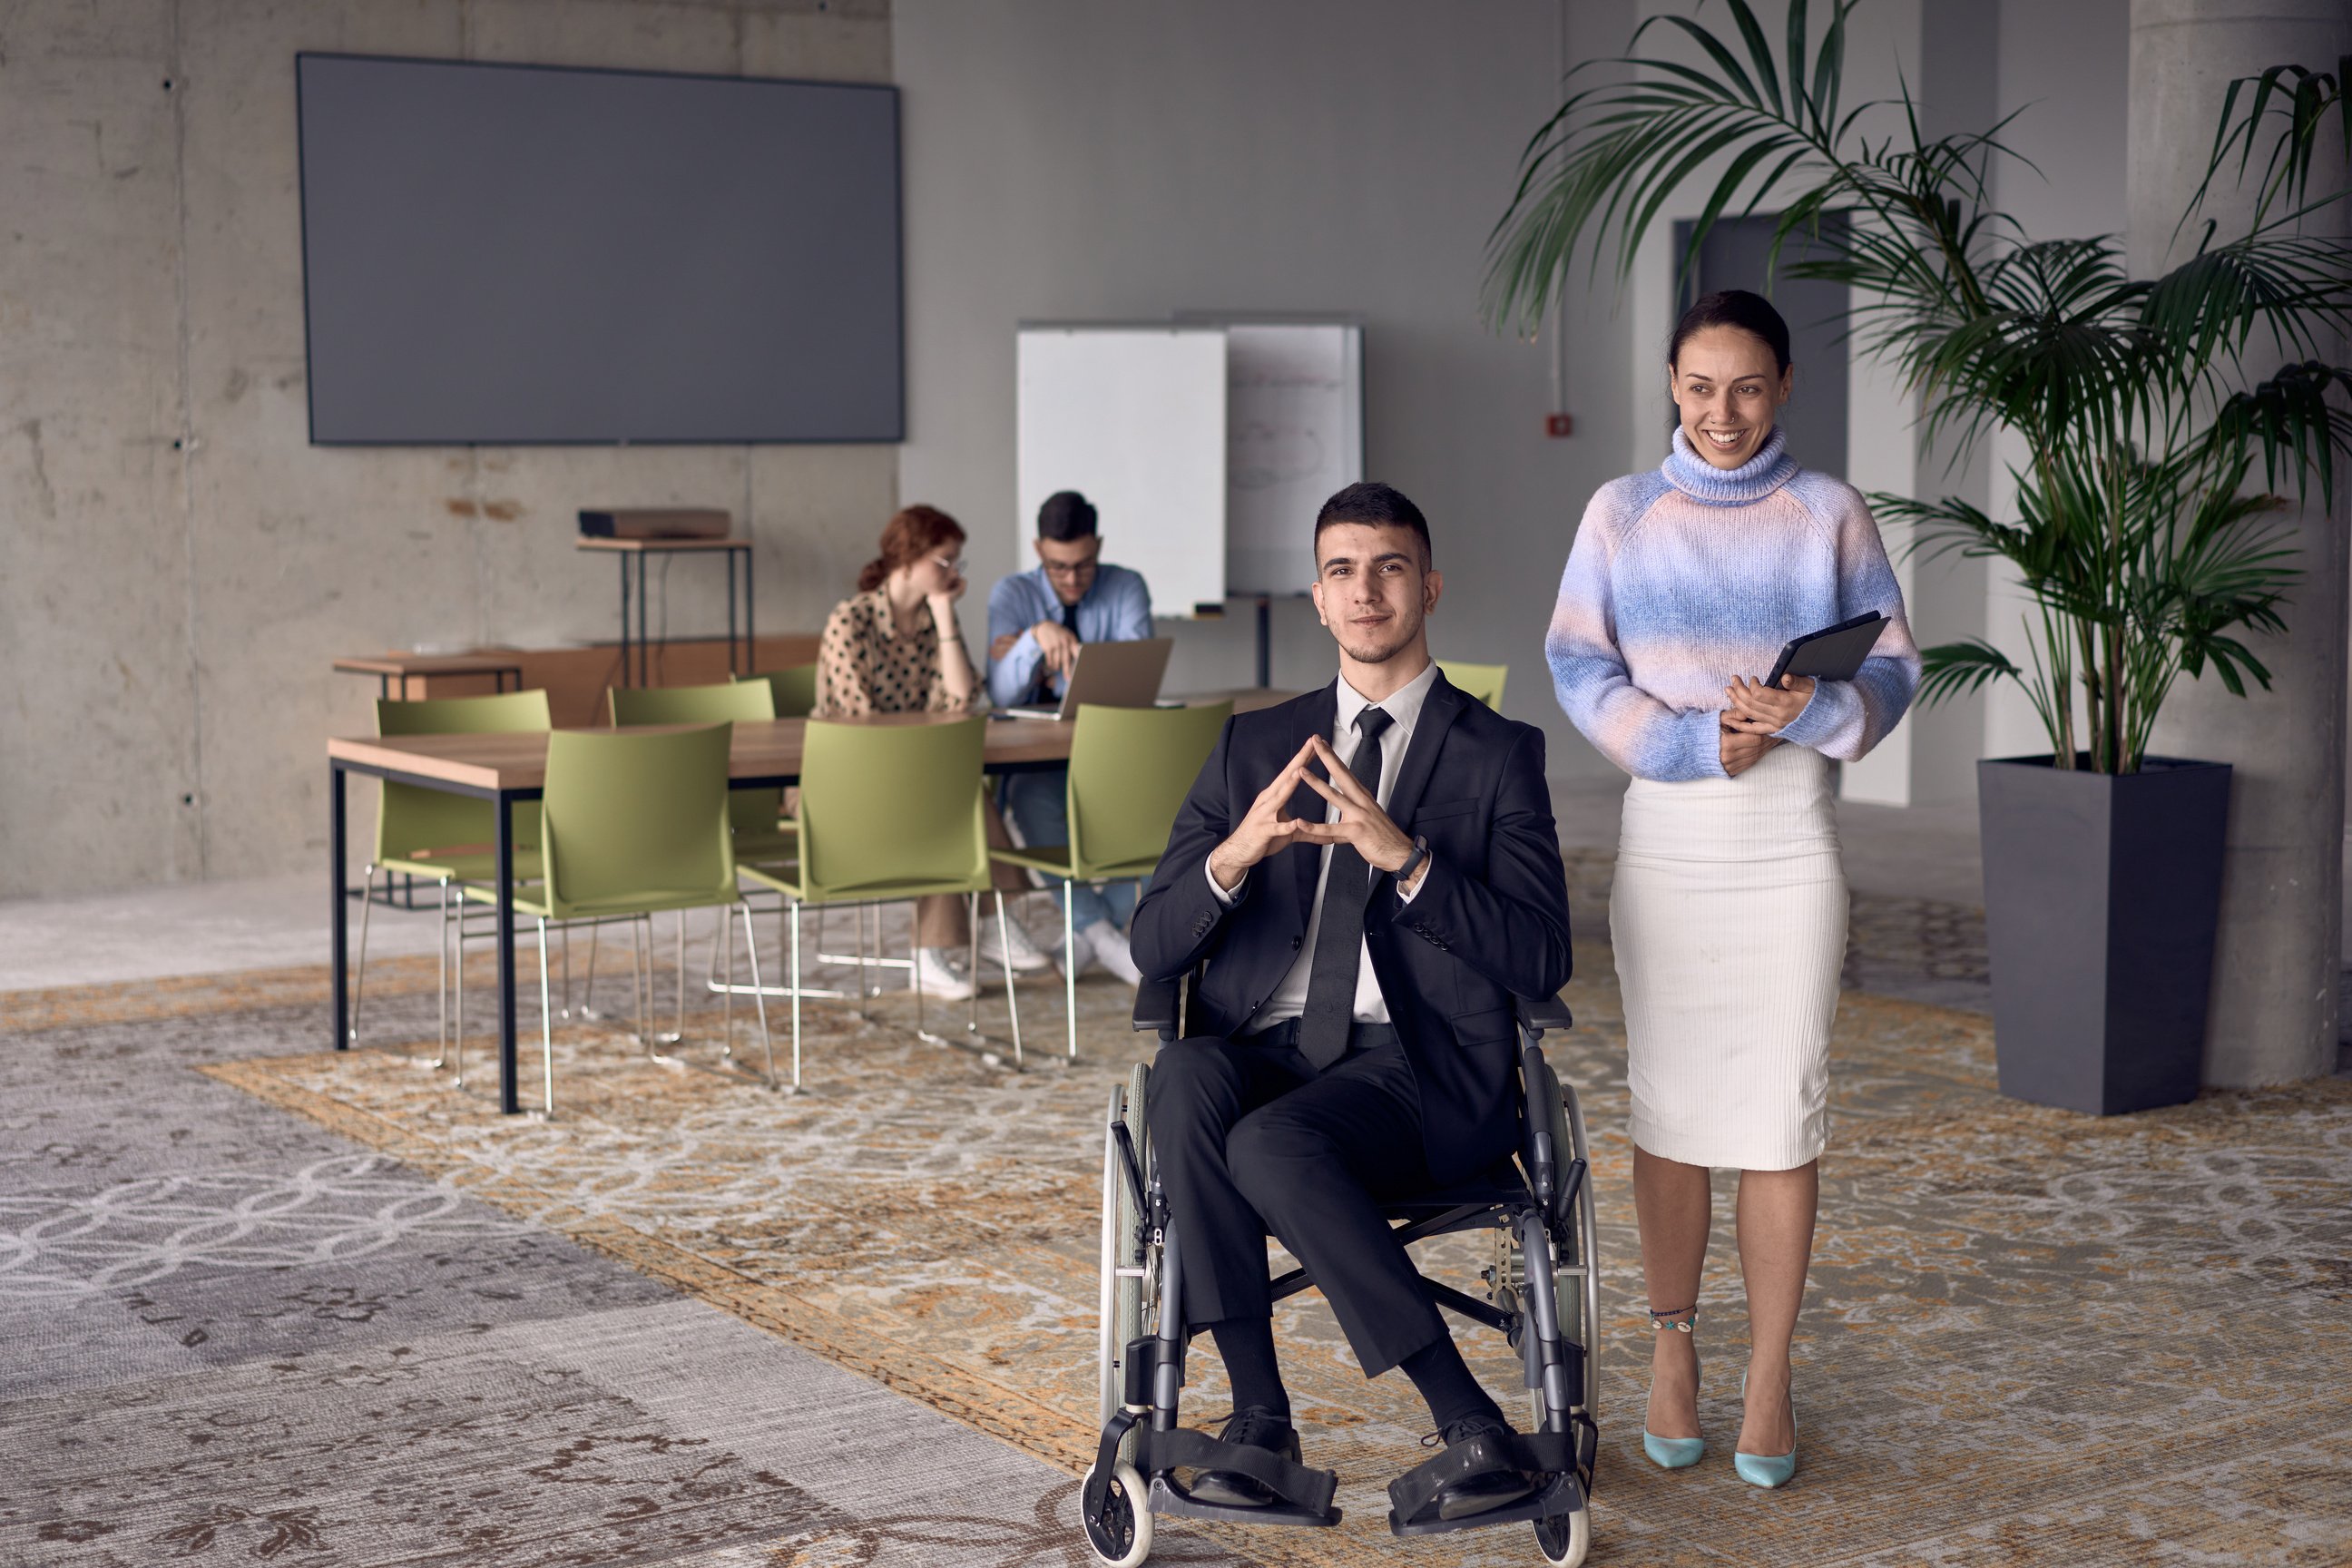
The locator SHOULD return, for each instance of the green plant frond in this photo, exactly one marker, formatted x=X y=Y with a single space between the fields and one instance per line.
x=1725 y=61
x=2294 y=287
x=2300 y=428
x=2308 y=98
x=1962 y=669
x=1759 y=49
x=1829 y=69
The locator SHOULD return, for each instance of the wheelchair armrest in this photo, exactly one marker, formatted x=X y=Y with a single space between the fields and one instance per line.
x=1540 y=1015
x=1158 y=1005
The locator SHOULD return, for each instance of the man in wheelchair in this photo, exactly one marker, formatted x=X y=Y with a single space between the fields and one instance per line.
x=1370 y=874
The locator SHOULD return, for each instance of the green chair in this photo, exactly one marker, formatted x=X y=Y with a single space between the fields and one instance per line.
x=633 y=825
x=794 y=687
x=1483 y=681
x=435 y=837
x=1130 y=768
x=795 y=690
x=889 y=813
x=761 y=835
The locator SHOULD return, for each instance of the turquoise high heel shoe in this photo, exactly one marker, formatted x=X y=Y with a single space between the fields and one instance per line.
x=1767 y=1470
x=1673 y=1453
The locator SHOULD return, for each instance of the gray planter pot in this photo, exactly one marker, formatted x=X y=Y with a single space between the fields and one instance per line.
x=2101 y=896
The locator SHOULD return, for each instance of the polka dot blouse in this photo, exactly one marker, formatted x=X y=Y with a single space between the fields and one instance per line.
x=864 y=665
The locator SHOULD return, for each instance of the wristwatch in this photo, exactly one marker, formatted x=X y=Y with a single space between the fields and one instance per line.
x=1413 y=861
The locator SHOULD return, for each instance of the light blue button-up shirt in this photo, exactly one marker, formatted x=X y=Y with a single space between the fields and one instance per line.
x=1117 y=608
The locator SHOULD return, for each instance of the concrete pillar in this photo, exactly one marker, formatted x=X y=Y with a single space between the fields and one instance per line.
x=2273 y=1016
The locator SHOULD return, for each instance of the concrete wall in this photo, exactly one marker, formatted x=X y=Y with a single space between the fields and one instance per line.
x=177 y=564
x=1074 y=159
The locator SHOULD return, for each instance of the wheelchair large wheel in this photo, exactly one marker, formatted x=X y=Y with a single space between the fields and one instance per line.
x=1577 y=1271
x=1115 y=1508
x=1576 y=1276
x=1128 y=1283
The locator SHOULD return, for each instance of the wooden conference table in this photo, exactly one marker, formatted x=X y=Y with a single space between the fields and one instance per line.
x=506 y=768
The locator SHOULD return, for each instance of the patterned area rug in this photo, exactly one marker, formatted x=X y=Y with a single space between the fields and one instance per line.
x=2030 y=1335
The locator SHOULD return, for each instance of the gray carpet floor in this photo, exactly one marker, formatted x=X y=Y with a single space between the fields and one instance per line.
x=226 y=1336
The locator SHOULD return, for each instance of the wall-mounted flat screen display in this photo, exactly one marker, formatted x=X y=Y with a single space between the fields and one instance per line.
x=517 y=254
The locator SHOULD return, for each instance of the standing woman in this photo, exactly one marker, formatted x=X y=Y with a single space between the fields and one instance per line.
x=1728 y=912
x=895 y=648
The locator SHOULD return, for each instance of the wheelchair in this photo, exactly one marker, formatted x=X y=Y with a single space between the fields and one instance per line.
x=1540 y=1292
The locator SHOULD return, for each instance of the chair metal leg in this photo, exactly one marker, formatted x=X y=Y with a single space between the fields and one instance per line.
x=858 y=911
x=546 y=1028
x=793 y=919
x=723 y=957
x=359 y=977
x=588 y=985
x=680 y=1036
x=972 y=960
x=637 y=987
x=759 y=997
x=1070 y=966
x=1012 y=1002
x=441 y=992
x=457 y=991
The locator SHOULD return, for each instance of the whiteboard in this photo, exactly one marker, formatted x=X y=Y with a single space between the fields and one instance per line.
x=1294 y=422
x=1135 y=417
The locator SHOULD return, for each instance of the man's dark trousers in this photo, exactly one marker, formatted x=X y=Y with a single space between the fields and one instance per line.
x=1251 y=1140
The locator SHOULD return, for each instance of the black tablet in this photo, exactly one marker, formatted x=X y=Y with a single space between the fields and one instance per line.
x=1833 y=653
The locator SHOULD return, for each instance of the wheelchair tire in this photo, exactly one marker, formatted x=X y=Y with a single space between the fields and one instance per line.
x=1126 y=1297
x=1578 y=1260
x=1564 y=1542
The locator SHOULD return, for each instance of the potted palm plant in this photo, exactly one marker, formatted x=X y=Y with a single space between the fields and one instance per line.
x=2158 y=461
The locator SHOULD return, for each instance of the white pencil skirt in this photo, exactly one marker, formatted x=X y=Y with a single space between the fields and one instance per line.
x=1728 y=918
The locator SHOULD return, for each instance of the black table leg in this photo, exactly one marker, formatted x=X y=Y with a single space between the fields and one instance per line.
x=509 y=1101
x=732 y=668
x=751 y=644
x=625 y=620
x=339 y=921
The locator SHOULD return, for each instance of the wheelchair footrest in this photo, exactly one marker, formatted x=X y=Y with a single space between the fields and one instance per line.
x=1303 y=1495
x=1549 y=1457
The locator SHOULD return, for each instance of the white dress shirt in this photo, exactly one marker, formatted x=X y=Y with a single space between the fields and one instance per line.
x=1403 y=706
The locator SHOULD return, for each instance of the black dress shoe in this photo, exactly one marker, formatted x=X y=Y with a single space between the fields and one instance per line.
x=1476 y=1494
x=1253 y=1426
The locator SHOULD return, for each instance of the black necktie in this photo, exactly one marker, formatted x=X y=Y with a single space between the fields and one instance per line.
x=1043 y=691
x=1339 y=938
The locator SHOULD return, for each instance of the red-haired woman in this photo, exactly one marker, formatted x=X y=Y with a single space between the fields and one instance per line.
x=895 y=648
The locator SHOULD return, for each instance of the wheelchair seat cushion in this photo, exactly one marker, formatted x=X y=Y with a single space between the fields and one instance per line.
x=1498 y=1184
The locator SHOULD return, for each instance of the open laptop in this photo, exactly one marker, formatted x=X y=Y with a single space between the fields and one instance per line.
x=1112 y=674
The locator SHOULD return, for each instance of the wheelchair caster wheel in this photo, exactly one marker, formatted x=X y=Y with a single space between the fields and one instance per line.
x=1118 y=1519
x=1564 y=1542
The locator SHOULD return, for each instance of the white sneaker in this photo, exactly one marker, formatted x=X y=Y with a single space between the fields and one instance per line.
x=1107 y=945
x=936 y=975
x=1027 y=956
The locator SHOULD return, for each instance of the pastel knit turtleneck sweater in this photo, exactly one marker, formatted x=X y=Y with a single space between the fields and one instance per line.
x=1685 y=577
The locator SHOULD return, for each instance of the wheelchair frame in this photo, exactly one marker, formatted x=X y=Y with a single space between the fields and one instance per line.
x=1548 y=1313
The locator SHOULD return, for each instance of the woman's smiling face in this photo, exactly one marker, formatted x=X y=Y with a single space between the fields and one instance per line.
x=1728 y=389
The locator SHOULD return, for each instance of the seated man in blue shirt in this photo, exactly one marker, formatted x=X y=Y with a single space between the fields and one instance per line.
x=1036 y=620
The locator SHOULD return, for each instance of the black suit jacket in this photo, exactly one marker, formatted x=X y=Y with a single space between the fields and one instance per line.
x=1490 y=921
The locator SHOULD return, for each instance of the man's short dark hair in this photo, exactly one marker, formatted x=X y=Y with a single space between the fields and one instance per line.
x=1066 y=515
x=1380 y=505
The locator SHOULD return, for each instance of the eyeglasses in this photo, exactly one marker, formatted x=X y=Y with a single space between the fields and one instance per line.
x=1070 y=569
x=952 y=565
